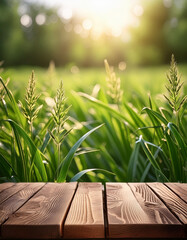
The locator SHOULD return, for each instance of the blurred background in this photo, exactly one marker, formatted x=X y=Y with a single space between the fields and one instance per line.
x=68 y=40
x=85 y=32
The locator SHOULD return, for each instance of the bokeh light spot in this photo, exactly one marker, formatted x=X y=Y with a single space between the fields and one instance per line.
x=174 y=22
x=122 y=66
x=87 y=24
x=167 y=3
x=138 y=10
x=40 y=19
x=26 y=20
x=74 y=69
x=65 y=13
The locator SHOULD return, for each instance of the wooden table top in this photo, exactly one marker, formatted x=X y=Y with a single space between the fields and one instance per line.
x=90 y=210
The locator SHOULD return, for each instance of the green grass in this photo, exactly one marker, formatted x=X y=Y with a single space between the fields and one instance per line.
x=145 y=79
x=140 y=139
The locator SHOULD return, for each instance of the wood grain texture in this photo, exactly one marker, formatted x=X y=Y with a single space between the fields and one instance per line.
x=85 y=217
x=179 y=188
x=17 y=200
x=6 y=193
x=43 y=215
x=176 y=204
x=134 y=211
x=4 y=186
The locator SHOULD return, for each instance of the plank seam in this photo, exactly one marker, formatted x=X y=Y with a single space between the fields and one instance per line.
x=175 y=215
x=105 y=211
x=175 y=193
x=7 y=188
x=13 y=193
x=67 y=211
x=24 y=202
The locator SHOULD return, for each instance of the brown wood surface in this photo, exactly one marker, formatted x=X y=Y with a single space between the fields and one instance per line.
x=85 y=217
x=43 y=215
x=57 y=210
x=17 y=200
x=4 y=195
x=179 y=188
x=172 y=201
x=4 y=186
x=134 y=211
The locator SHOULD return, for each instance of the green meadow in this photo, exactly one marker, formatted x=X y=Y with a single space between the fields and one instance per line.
x=93 y=124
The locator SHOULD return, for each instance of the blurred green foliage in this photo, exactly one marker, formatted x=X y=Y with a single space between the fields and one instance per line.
x=162 y=31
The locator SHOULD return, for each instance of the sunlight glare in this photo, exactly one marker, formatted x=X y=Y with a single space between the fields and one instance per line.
x=138 y=10
x=87 y=24
x=112 y=16
x=65 y=13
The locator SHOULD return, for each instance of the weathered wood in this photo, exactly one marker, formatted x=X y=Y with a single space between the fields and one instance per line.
x=85 y=218
x=134 y=211
x=17 y=200
x=179 y=188
x=4 y=186
x=4 y=195
x=172 y=201
x=43 y=215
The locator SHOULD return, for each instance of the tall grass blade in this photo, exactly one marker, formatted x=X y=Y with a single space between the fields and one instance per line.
x=103 y=105
x=5 y=167
x=133 y=162
x=182 y=146
x=175 y=157
x=14 y=104
x=22 y=163
x=151 y=112
x=80 y=174
x=35 y=153
x=152 y=158
x=64 y=167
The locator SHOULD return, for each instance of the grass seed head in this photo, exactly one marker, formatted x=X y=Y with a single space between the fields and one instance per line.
x=59 y=114
x=114 y=84
x=29 y=108
x=174 y=87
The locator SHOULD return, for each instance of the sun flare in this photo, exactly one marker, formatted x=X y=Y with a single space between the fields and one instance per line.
x=112 y=17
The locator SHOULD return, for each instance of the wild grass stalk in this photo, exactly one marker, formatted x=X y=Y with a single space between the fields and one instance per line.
x=174 y=87
x=147 y=145
x=114 y=88
x=27 y=158
x=29 y=108
x=60 y=117
x=160 y=152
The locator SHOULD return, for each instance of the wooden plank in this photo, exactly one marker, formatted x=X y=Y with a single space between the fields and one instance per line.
x=43 y=215
x=176 y=204
x=134 y=211
x=179 y=188
x=4 y=186
x=17 y=200
x=7 y=193
x=85 y=218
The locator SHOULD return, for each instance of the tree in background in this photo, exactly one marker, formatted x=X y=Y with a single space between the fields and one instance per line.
x=33 y=34
x=176 y=30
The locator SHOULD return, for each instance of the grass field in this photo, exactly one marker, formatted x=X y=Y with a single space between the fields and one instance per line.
x=133 y=145
x=145 y=79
